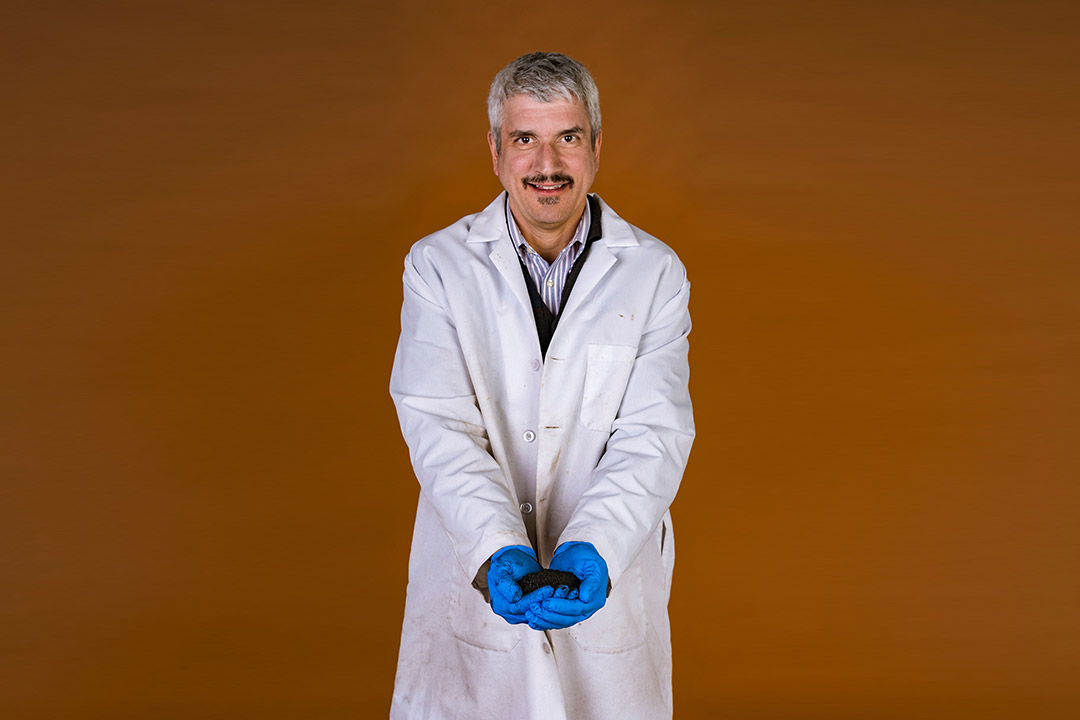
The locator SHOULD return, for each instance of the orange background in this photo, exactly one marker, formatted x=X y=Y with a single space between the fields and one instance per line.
x=206 y=505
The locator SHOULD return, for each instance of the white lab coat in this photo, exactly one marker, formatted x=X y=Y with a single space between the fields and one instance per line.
x=594 y=438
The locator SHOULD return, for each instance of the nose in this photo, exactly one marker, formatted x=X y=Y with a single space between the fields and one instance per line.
x=548 y=160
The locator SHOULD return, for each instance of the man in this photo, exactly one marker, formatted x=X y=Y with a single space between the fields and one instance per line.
x=541 y=385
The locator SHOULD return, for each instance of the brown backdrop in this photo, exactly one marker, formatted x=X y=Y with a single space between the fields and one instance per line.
x=206 y=505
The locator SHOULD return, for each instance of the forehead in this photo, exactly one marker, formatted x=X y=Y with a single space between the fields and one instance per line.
x=522 y=113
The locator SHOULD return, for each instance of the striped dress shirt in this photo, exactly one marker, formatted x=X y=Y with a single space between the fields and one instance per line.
x=550 y=279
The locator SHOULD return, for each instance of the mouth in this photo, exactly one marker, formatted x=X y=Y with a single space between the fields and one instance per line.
x=548 y=185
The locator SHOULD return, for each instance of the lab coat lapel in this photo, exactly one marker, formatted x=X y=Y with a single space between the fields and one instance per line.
x=616 y=234
x=597 y=264
x=490 y=227
x=504 y=256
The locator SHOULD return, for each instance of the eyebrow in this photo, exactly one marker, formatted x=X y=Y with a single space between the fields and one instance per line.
x=576 y=130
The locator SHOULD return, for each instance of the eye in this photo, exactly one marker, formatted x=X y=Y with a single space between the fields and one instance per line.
x=569 y=138
x=523 y=140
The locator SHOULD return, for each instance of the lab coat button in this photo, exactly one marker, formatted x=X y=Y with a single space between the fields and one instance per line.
x=526 y=507
x=547 y=648
x=536 y=365
x=529 y=436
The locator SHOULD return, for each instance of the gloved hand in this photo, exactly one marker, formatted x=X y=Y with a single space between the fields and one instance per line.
x=508 y=566
x=565 y=608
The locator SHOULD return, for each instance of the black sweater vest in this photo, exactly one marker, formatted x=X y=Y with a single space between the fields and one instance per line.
x=547 y=321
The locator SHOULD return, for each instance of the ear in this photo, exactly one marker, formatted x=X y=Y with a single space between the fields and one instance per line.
x=494 y=153
x=596 y=147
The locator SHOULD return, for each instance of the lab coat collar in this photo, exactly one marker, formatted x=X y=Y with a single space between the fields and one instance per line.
x=490 y=225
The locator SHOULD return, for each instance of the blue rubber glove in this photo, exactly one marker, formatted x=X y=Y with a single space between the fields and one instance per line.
x=566 y=608
x=508 y=566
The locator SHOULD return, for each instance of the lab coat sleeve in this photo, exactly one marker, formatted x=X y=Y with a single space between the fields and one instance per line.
x=639 y=473
x=444 y=429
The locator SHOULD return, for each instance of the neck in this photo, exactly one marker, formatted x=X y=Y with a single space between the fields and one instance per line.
x=549 y=242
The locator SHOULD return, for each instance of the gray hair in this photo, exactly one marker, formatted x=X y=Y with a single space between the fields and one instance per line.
x=543 y=77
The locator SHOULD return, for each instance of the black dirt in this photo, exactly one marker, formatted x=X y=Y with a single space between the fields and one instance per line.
x=545 y=578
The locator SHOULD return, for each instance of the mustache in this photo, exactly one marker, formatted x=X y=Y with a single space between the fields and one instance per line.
x=547 y=179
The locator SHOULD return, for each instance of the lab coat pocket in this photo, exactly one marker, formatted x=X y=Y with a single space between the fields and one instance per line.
x=474 y=622
x=667 y=549
x=619 y=625
x=606 y=376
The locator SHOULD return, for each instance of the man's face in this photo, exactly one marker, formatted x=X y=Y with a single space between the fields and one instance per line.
x=547 y=163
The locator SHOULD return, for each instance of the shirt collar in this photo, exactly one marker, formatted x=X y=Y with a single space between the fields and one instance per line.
x=523 y=246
